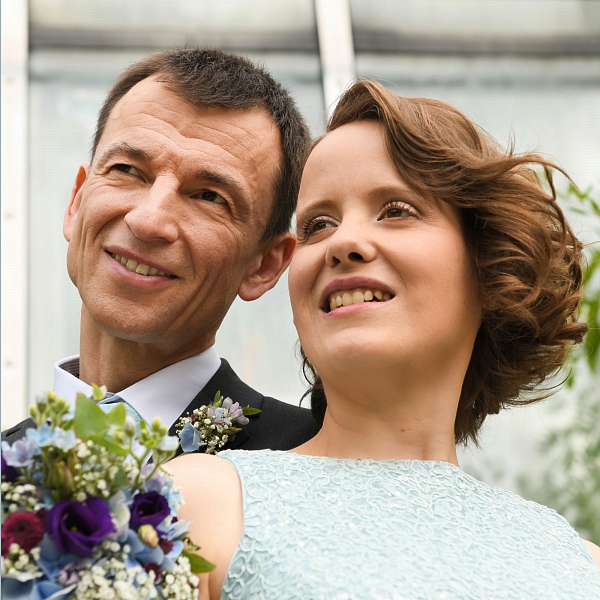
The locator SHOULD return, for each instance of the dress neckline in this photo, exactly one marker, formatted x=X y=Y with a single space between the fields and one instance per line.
x=367 y=461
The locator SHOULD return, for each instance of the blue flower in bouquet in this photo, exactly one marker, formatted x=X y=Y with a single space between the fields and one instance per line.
x=190 y=438
x=20 y=454
x=78 y=527
x=148 y=509
x=65 y=440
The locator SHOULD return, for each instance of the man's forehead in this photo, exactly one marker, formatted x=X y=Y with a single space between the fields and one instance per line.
x=150 y=108
x=151 y=96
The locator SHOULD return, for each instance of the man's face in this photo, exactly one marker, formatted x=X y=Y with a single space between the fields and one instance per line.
x=164 y=227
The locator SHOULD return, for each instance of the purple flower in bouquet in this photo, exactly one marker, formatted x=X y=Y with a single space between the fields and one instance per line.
x=23 y=528
x=148 y=509
x=20 y=454
x=78 y=527
x=9 y=473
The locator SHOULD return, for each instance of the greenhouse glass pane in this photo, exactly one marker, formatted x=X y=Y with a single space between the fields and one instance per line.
x=478 y=18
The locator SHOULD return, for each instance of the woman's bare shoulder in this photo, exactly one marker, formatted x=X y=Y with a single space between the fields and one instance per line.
x=205 y=478
x=212 y=495
x=594 y=551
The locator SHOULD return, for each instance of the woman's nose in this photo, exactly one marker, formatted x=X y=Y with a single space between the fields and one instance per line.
x=350 y=243
x=152 y=216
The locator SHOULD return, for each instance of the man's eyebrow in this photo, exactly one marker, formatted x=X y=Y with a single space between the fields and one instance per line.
x=220 y=179
x=123 y=149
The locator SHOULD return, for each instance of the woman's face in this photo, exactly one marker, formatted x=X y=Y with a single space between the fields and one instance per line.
x=381 y=276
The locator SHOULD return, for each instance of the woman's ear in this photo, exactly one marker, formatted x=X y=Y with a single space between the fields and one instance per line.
x=274 y=258
x=75 y=201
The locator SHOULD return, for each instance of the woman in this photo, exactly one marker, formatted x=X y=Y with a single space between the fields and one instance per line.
x=434 y=283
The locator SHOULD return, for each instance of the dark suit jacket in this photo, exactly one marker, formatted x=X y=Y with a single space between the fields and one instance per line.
x=279 y=426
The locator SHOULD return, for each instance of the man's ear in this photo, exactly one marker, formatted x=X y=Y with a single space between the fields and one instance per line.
x=75 y=201
x=274 y=259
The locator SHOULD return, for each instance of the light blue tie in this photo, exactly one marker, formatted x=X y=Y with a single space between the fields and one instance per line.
x=111 y=400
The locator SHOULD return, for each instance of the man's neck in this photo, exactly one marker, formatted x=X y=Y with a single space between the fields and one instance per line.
x=118 y=363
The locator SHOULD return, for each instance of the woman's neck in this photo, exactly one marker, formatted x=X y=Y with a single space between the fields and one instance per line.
x=385 y=418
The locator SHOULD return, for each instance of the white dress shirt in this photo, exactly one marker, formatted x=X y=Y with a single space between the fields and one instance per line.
x=164 y=394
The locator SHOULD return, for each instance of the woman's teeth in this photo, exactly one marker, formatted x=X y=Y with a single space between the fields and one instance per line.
x=357 y=297
x=137 y=267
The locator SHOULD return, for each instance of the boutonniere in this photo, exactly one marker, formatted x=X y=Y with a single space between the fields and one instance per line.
x=212 y=426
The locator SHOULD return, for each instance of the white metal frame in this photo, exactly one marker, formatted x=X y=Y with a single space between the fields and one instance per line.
x=14 y=210
x=336 y=48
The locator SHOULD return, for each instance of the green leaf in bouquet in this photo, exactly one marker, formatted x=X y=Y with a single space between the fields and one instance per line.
x=109 y=442
x=120 y=480
x=197 y=563
x=116 y=417
x=98 y=392
x=248 y=410
x=90 y=419
x=218 y=399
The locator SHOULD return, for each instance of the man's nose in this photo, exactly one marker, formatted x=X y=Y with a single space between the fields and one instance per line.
x=350 y=243
x=153 y=215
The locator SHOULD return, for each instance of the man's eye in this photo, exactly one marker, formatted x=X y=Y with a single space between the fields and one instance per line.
x=211 y=196
x=126 y=169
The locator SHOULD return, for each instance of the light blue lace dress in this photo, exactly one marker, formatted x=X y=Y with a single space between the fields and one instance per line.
x=335 y=529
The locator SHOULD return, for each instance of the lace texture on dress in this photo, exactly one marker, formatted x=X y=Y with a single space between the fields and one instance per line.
x=336 y=529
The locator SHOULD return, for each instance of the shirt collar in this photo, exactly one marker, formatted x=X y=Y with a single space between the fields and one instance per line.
x=164 y=394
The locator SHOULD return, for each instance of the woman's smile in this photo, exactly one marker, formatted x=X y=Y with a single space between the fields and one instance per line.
x=342 y=293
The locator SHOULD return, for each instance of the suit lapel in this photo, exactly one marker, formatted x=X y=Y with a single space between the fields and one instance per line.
x=231 y=386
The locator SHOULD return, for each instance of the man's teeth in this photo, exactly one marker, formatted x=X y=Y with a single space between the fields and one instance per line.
x=137 y=267
x=357 y=297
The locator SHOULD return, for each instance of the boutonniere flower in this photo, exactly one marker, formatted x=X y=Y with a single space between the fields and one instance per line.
x=211 y=426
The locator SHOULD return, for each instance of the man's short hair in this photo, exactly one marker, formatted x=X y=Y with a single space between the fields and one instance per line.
x=212 y=78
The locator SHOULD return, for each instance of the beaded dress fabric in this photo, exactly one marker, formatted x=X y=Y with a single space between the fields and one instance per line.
x=336 y=529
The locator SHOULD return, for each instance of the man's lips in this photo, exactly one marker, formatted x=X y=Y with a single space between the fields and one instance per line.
x=139 y=267
x=355 y=290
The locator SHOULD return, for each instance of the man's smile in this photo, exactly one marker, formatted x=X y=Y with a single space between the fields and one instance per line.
x=138 y=267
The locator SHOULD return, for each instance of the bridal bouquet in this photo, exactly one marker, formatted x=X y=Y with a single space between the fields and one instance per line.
x=84 y=515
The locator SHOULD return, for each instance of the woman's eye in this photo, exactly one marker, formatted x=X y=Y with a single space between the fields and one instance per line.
x=314 y=226
x=211 y=196
x=396 y=211
x=319 y=226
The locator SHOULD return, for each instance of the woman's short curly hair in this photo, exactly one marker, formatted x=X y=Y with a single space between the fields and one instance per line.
x=527 y=259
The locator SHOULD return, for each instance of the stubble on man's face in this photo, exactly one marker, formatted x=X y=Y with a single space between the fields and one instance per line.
x=186 y=194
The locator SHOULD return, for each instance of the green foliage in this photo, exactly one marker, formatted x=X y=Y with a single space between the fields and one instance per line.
x=587 y=206
x=198 y=564
x=92 y=423
x=570 y=483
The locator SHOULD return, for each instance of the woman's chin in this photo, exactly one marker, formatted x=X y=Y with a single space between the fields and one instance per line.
x=354 y=357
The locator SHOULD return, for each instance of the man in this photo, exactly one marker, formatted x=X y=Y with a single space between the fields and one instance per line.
x=186 y=204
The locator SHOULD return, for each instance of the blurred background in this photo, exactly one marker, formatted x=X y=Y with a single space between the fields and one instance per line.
x=523 y=68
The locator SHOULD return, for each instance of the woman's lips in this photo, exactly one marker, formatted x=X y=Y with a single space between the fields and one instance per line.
x=356 y=296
